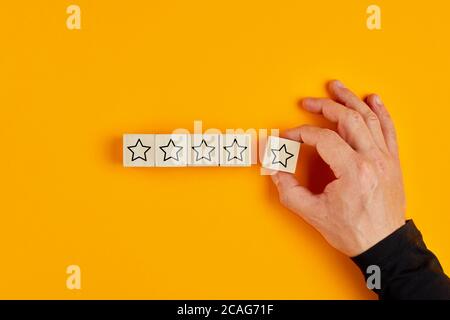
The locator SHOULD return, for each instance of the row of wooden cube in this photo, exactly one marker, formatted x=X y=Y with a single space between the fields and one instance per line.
x=208 y=150
x=179 y=150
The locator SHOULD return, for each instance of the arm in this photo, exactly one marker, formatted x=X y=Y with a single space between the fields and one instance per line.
x=408 y=269
x=362 y=212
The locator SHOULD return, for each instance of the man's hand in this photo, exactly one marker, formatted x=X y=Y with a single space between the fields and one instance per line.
x=366 y=202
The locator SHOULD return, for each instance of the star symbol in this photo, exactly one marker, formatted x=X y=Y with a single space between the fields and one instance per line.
x=139 y=151
x=234 y=146
x=284 y=158
x=171 y=147
x=200 y=153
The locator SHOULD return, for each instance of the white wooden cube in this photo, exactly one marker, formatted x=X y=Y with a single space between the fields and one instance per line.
x=138 y=150
x=235 y=150
x=203 y=150
x=171 y=150
x=281 y=154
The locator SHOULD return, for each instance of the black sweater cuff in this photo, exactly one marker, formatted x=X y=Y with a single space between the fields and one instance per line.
x=408 y=269
x=405 y=237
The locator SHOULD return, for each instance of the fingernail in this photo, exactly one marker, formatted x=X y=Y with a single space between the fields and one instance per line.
x=338 y=84
x=305 y=102
x=377 y=100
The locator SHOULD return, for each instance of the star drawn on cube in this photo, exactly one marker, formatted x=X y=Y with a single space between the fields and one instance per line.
x=203 y=149
x=139 y=151
x=171 y=151
x=281 y=156
x=233 y=152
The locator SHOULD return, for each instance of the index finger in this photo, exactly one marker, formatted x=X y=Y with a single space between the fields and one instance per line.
x=330 y=146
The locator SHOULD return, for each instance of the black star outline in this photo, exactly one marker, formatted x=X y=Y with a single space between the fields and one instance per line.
x=285 y=160
x=138 y=157
x=165 y=153
x=240 y=153
x=197 y=158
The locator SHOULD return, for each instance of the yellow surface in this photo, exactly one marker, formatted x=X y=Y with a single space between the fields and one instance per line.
x=66 y=98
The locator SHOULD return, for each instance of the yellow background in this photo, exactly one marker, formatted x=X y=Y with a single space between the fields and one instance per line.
x=66 y=98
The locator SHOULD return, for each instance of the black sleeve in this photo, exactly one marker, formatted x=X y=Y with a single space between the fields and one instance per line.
x=408 y=269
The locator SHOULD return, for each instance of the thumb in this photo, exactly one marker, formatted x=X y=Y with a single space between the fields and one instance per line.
x=294 y=196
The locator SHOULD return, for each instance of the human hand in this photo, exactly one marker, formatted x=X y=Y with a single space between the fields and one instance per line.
x=366 y=202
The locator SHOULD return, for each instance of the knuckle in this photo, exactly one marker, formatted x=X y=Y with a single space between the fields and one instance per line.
x=353 y=118
x=326 y=102
x=328 y=134
x=364 y=166
x=371 y=117
x=380 y=161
